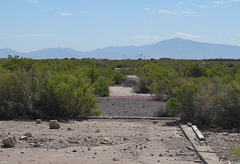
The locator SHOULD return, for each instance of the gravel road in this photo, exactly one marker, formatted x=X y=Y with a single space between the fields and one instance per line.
x=113 y=106
x=124 y=102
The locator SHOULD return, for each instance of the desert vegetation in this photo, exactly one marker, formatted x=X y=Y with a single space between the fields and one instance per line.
x=51 y=88
x=203 y=92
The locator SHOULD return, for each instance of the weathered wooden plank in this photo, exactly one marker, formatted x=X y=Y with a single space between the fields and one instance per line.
x=198 y=133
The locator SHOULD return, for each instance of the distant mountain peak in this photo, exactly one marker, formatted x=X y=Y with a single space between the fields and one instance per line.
x=176 y=48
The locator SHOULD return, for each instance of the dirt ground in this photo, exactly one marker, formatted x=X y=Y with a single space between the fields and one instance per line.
x=223 y=142
x=97 y=141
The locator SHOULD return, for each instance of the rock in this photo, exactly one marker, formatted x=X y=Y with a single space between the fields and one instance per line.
x=155 y=122
x=115 y=159
x=68 y=129
x=53 y=124
x=189 y=124
x=28 y=134
x=225 y=134
x=160 y=155
x=35 y=144
x=104 y=142
x=9 y=141
x=148 y=139
x=106 y=139
x=125 y=139
x=25 y=138
x=97 y=131
x=190 y=148
x=74 y=151
x=197 y=161
x=38 y=121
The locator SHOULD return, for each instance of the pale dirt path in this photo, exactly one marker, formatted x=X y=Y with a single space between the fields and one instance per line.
x=98 y=141
x=124 y=91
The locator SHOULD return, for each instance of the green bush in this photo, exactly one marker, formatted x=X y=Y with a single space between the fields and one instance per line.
x=236 y=151
x=196 y=70
x=101 y=86
x=16 y=94
x=118 y=77
x=183 y=101
x=142 y=85
x=207 y=102
x=68 y=95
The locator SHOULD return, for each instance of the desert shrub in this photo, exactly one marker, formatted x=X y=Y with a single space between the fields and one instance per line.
x=161 y=88
x=236 y=151
x=118 y=77
x=207 y=102
x=97 y=112
x=141 y=86
x=130 y=81
x=229 y=100
x=101 y=86
x=182 y=102
x=16 y=95
x=68 y=95
x=33 y=94
x=196 y=70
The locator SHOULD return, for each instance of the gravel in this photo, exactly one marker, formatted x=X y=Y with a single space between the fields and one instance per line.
x=139 y=107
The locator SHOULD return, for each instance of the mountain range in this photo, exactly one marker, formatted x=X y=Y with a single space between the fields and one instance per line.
x=172 y=48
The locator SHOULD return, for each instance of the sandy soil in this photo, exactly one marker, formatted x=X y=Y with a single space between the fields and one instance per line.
x=222 y=142
x=125 y=91
x=97 y=141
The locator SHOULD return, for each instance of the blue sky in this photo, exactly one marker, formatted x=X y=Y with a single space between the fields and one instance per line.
x=27 y=25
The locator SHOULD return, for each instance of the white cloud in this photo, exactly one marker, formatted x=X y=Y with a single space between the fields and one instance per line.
x=202 y=6
x=236 y=37
x=163 y=11
x=180 y=3
x=30 y=35
x=157 y=38
x=184 y=35
x=141 y=37
x=147 y=9
x=33 y=1
x=64 y=14
x=218 y=2
x=188 y=12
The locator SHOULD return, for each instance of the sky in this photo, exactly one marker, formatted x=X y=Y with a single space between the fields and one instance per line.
x=85 y=25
